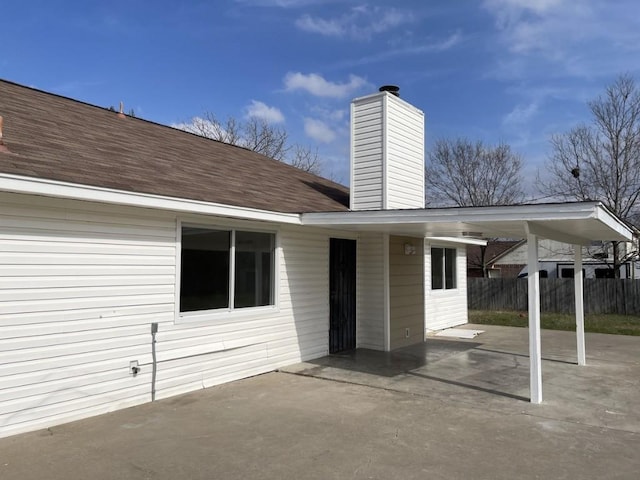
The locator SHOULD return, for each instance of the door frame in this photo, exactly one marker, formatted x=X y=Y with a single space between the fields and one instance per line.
x=344 y=337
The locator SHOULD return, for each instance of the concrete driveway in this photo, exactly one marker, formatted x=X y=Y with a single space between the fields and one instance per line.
x=444 y=410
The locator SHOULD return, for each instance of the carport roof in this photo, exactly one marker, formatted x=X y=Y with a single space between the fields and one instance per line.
x=577 y=223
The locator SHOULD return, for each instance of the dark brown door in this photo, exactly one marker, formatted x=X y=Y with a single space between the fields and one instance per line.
x=342 y=287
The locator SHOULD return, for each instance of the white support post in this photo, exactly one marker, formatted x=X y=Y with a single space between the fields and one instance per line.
x=535 y=352
x=579 y=297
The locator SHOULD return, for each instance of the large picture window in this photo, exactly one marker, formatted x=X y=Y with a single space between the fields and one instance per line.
x=225 y=269
x=443 y=268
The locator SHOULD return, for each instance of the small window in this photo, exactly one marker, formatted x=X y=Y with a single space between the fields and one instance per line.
x=543 y=274
x=570 y=273
x=567 y=273
x=443 y=268
x=213 y=260
x=605 y=273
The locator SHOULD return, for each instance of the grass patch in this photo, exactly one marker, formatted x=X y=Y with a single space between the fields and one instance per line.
x=596 y=323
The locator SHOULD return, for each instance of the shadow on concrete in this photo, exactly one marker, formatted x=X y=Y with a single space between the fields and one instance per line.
x=464 y=364
x=397 y=362
x=472 y=387
x=523 y=355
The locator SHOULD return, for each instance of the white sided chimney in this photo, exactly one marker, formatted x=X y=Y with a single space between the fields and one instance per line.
x=387 y=152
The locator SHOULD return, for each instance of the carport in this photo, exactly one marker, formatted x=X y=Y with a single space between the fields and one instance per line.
x=578 y=224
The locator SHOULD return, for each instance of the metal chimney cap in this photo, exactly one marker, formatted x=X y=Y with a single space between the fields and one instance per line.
x=392 y=89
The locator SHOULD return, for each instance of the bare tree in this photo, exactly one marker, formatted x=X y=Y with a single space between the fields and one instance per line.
x=255 y=134
x=471 y=174
x=601 y=160
x=258 y=135
x=305 y=159
x=209 y=126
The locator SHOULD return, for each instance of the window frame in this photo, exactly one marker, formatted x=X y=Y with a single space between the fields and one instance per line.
x=444 y=269
x=230 y=311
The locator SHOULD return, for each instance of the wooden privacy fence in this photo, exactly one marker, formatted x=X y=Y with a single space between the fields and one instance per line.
x=601 y=295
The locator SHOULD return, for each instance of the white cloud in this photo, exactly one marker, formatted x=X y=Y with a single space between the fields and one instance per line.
x=318 y=130
x=520 y=114
x=535 y=26
x=565 y=37
x=330 y=28
x=200 y=126
x=436 y=46
x=509 y=10
x=359 y=23
x=279 y=3
x=316 y=85
x=331 y=115
x=337 y=115
x=261 y=110
x=555 y=55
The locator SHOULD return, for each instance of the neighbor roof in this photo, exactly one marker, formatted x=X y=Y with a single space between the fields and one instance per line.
x=495 y=249
x=57 y=138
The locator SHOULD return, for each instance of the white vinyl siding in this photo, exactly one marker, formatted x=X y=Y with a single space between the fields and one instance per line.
x=446 y=308
x=387 y=153
x=406 y=290
x=405 y=155
x=370 y=292
x=80 y=286
x=366 y=154
x=199 y=355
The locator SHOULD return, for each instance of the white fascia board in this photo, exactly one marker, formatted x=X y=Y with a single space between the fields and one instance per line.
x=488 y=218
x=614 y=223
x=457 y=214
x=52 y=188
x=471 y=215
x=458 y=240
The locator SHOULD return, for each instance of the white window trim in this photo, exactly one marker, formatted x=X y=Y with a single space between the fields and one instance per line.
x=228 y=313
x=444 y=290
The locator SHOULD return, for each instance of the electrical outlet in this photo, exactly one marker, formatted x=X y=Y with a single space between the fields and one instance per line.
x=134 y=367
x=407 y=333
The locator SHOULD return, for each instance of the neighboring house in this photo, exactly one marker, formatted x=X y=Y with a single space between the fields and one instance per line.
x=483 y=258
x=556 y=260
x=139 y=261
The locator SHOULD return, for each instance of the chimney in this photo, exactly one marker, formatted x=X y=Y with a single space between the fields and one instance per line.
x=392 y=89
x=387 y=152
x=121 y=112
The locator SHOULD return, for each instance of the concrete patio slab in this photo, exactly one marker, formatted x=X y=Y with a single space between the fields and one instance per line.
x=451 y=410
x=493 y=370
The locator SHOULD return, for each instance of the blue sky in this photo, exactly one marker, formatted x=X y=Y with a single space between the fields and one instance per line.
x=495 y=70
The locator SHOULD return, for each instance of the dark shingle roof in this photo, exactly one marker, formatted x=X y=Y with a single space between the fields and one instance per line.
x=58 y=138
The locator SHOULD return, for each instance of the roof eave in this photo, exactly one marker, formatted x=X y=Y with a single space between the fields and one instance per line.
x=52 y=188
x=486 y=221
